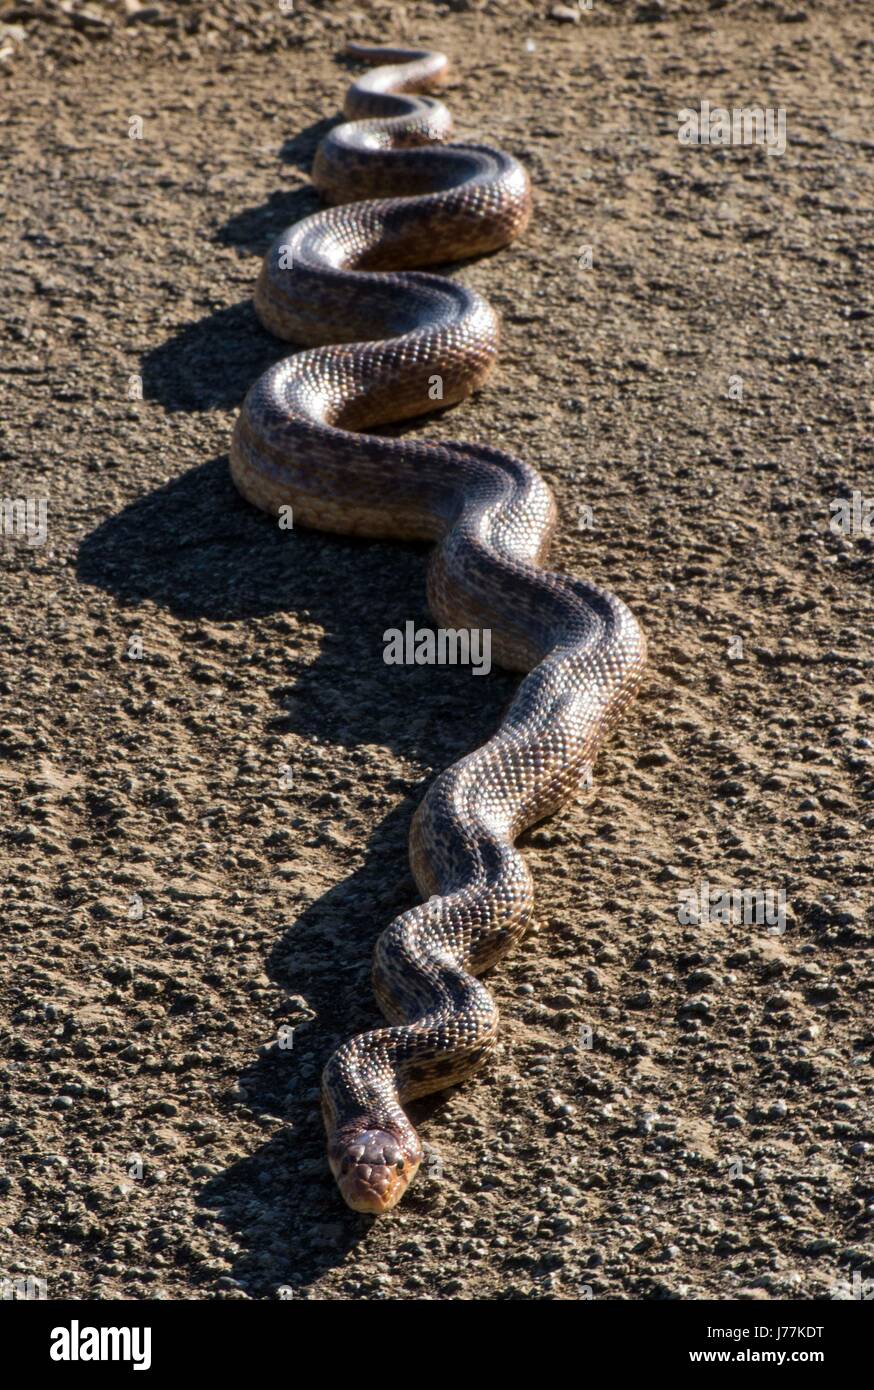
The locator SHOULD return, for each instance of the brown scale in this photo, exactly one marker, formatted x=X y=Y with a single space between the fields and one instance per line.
x=341 y=283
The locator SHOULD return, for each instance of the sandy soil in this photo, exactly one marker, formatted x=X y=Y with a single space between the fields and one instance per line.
x=201 y=842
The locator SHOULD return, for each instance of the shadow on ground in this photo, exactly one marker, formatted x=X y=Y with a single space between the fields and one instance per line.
x=211 y=363
x=197 y=549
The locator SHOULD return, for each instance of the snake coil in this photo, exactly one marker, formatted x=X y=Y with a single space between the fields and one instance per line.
x=341 y=283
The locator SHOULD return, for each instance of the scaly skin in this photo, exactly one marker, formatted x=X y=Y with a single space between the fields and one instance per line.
x=325 y=284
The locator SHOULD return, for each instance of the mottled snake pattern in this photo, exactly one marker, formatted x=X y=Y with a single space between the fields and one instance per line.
x=341 y=284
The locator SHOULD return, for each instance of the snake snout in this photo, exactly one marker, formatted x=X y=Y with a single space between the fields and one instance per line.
x=373 y=1171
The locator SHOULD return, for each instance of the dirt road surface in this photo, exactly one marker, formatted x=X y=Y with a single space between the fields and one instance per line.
x=208 y=771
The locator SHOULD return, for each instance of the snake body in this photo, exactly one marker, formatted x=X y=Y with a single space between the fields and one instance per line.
x=339 y=282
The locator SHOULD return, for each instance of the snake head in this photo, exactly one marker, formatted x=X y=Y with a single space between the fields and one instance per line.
x=374 y=1167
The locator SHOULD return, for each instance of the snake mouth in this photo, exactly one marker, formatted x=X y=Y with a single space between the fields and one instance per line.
x=372 y=1171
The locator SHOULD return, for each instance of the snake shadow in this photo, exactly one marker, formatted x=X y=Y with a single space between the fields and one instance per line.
x=211 y=362
x=251 y=230
x=197 y=549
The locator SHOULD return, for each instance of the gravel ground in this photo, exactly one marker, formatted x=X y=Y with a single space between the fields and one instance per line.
x=208 y=772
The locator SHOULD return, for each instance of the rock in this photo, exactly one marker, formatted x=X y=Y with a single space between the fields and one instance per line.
x=88 y=22
x=654 y=1177
x=700 y=979
x=655 y=757
x=643 y=1000
x=732 y=787
x=669 y=873
x=696 y=1008
x=821 y=1246
x=650 y=12
x=136 y=13
x=564 y=14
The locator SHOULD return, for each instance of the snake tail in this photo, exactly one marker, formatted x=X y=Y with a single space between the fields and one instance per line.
x=346 y=284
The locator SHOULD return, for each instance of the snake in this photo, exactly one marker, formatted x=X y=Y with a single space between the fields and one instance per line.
x=379 y=340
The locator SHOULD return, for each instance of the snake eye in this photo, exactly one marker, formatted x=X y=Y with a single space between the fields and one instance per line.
x=400 y=1165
